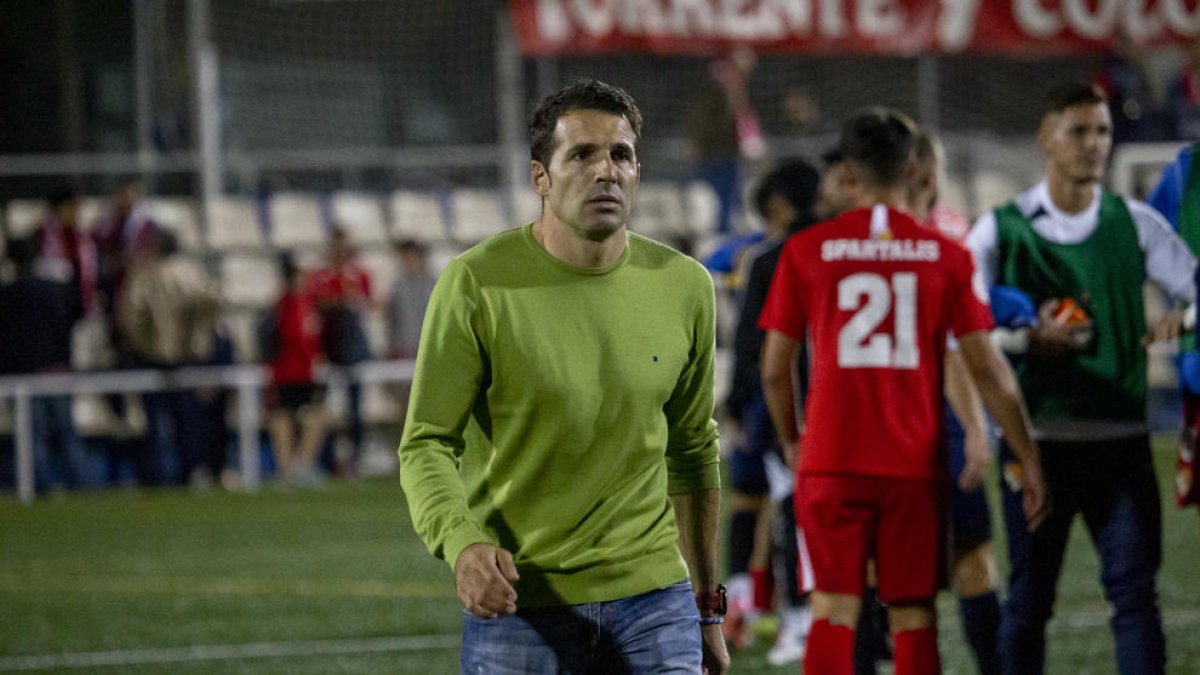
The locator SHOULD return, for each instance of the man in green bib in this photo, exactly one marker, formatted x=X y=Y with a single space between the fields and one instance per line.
x=560 y=452
x=1068 y=242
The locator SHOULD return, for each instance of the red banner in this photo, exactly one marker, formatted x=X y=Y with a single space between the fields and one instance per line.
x=560 y=27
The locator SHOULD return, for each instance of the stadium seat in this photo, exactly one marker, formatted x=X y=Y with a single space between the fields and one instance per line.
x=296 y=220
x=360 y=215
x=659 y=212
x=478 y=214
x=417 y=215
x=234 y=223
x=90 y=210
x=177 y=215
x=23 y=215
x=249 y=280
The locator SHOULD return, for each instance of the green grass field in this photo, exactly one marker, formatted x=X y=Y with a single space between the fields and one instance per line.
x=335 y=581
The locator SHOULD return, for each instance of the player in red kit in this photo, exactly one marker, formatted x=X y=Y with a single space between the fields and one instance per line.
x=875 y=294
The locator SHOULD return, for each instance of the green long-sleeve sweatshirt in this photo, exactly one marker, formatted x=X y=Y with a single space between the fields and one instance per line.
x=554 y=410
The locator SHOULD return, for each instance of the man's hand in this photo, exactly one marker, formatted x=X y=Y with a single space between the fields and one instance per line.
x=716 y=655
x=483 y=576
x=978 y=458
x=1051 y=338
x=1170 y=327
x=1033 y=494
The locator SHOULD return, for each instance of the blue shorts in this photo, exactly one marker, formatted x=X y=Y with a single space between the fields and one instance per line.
x=970 y=517
x=747 y=470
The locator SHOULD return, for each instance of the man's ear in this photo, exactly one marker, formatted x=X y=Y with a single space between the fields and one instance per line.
x=1045 y=129
x=539 y=178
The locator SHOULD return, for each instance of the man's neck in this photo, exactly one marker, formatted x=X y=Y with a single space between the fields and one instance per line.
x=577 y=251
x=891 y=197
x=1070 y=196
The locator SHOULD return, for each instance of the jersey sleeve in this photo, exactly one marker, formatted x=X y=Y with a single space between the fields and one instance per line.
x=784 y=310
x=969 y=307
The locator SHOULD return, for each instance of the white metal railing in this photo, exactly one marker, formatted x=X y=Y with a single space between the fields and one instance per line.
x=247 y=381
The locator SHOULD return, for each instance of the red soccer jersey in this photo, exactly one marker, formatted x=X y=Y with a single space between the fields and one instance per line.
x=347 y=283
x=876 y=293
x=299 y=338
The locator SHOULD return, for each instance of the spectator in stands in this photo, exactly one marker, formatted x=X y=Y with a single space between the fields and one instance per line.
x=342 y=293
x=1183 y=96
x=723 y=129
x=211 y=465
x=65 y=252
x=123 y=233
x=168 y=313
x=296 y=415
x=408 y=298
x=36 y=319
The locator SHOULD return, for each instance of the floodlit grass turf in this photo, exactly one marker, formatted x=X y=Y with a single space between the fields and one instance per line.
x=333 y=574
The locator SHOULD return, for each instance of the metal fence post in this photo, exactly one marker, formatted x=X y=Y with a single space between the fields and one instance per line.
x=248 y=425
x=23 y=411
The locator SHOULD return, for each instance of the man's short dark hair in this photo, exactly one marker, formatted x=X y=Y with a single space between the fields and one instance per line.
x=880 y=140
x=585 y=95
x=793 y=179
x=1070 y=94
x=410 y=246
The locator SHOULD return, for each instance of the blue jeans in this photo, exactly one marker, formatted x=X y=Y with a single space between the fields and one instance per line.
x=1112 y=484
x=58 y=452
x=655 y=632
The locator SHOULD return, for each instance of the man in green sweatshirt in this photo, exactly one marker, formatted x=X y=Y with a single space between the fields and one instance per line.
x=559 y=451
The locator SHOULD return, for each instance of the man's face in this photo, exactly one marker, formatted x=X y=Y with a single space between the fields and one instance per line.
x=1076 y=142
x=835 y=194
x=593 y=174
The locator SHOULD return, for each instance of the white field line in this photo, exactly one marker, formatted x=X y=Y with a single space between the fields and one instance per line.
x=257 y=650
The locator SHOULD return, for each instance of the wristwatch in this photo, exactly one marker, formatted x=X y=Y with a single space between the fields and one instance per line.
x=714 y=602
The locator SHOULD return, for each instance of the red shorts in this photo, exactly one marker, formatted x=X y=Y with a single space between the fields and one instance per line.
x=848 y=519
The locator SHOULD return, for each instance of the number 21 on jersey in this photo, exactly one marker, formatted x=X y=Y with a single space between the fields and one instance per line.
x=861 y=343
